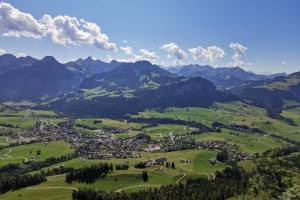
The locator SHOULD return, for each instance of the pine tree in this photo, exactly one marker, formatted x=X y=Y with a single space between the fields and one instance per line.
x=145 y=176
x=173 y=165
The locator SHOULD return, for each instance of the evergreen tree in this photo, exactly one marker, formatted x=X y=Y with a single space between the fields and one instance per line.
x=145 y=176
x=173 y=165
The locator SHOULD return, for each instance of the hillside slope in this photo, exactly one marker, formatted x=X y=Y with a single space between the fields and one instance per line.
x=273 y=95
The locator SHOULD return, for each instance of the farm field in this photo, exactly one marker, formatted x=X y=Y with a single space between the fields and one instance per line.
x=189 y=163
x=195 y=166
x=99 y=123
x=293 y=114
x=26 y=152
x=4 y=141
x=248 y=143
x=228 y=113
x=128 y=180
x=158 y=132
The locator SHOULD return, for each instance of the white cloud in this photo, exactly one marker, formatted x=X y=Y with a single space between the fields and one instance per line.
x=64 y=30
x=109 y=58
x=125 y=41
x=144 y=55
x=210 y=53
x=21 y=54
x=67 y=30
x=2 y=51
x=173 y=50
x=283 y=62
x=19 y=24
x=148 y=55
x=239 y=51
x=127 y=50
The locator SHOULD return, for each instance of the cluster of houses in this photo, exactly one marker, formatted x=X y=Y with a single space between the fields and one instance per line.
x=106 y=146
x=232 y=150
x=175 y=142
x=91 y=146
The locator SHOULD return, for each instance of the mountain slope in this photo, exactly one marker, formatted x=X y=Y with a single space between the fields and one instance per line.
x=9 y=62
x=139 y=75
x=88 y=67
x=134 y=87
x=225 y=77
x=273 y=95
x=43 y=79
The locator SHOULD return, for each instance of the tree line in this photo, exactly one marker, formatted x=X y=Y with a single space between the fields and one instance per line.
x=16 y=181
x=15 y=176
x=89 y=174
x=228 y=183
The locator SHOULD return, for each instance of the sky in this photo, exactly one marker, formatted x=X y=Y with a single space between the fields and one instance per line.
x=258 y=35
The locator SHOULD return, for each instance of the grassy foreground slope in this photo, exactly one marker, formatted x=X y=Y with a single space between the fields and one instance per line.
x=26 y=152
x=126 y=180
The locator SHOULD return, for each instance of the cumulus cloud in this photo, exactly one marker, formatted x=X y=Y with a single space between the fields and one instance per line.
x=19 y=24
x=127 y=50
x=148 y=55
x=239 y=51
x=2 y=51
x=210 y=53
x=173 y=50
x=64 y=30
x=144 y=55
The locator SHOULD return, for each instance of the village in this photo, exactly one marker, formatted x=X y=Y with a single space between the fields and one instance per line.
x=107 y=146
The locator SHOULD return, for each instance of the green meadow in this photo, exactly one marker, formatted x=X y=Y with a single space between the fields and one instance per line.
x=235 y=112
x=26 y=152
x=188 y=164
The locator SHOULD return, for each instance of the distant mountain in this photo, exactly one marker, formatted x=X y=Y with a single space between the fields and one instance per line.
x=10 y=62
x=131 y=76
x=225 y=77
x=87 y=67
x=38 y=81
x=134 y=87
x=274 y=95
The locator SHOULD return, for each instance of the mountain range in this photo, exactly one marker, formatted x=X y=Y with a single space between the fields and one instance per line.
x=93 y=87
x=225 y=77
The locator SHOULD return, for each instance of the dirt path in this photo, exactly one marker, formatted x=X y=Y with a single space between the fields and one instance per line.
x=8 y=157
x=151 y=185
x=205 y=174
x=134 y=186
x=44 y=188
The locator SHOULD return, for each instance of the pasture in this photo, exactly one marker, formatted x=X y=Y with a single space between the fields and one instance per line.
x=36 y=151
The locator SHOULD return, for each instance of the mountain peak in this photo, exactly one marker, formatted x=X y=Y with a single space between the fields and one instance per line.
x=143 y=62
x=49 y=59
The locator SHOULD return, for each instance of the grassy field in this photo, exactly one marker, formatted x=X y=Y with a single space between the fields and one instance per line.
x=293 y=114
x=19 y=122
x=228 y=113
x=248 y=143
x=4 y=141
x=21 y=153
x=126 y=180
x=108 y=122
x=176 y=156
x=157 y=132
x=189 y=163
x=221 y=112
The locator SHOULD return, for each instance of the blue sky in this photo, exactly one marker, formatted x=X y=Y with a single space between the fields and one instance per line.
x=267 y=31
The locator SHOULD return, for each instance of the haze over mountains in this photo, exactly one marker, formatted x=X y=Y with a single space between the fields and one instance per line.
x=225 y=77
x=92 y=87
